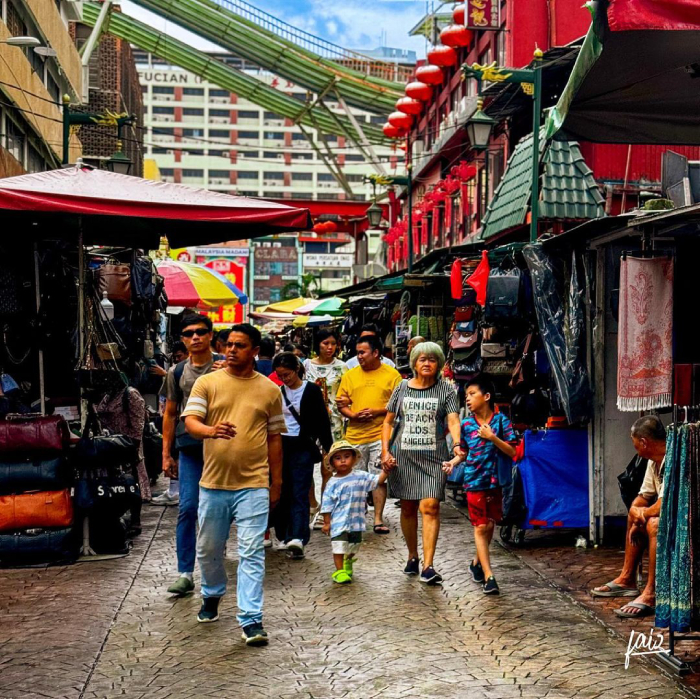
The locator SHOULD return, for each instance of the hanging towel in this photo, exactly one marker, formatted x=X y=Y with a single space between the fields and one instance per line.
x=645 y=335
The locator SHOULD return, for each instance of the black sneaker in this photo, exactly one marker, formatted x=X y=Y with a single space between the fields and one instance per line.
x=209 y=611
x=477 y=573
x=491 y=586
x=254 y=635
x=412 y=567
x=430 y=576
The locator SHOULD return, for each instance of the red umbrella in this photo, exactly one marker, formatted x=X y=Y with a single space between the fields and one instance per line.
x=130 y=211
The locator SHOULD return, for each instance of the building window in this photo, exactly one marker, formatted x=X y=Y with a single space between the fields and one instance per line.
x=163 y=110
x=219 y=93
x=219 y=112
x=187 y=172
x=14 y=21
x=167 y=171
x=193 y=111
x=274 y=135
x=272 y=154
x=249 y=153
x=166 y=131
x=377 y=120
x=273 y=175
x=193 y=151
x=53 y=88
x=160 y=151
x=160 y=90
x=299 y=136
x=247 y=193
x=303 y=156
x=193 y=133
x=247 y=175
x=325 y=177
x=302 y=176
x=357 y=157
x=14 y=139
x=193 y=91
x=35 y=163
x=219 y=173
x=218 y=153
x=355 y=178
x=248 y=134
x=248 y=114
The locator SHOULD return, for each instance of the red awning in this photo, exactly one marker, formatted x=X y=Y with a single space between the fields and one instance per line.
x=119 y=209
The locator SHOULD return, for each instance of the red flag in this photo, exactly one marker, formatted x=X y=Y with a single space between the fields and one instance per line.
x=479 y=279
x=456 y=279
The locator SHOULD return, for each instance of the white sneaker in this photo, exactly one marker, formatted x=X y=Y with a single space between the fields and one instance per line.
x=295 y=547
x=280 y=545
x=166 y=499
x=267 y=543
x=317 y=521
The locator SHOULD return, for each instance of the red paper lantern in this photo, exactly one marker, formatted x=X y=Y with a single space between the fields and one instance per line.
x=391 y=131
x=318 y=227
x=400 y=120
x=442 y=56
x=330 y=227
x=419 y=91
x=458 y=14
x=407 y=105
x=456 y=36
x=430 y=75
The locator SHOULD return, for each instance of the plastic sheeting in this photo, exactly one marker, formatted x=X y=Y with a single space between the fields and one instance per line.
x=560 y=308
x=554 y=473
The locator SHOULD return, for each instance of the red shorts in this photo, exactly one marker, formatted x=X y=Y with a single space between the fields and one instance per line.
x=485 y=506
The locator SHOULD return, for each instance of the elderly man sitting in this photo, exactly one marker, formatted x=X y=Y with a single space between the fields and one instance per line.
x=649 y=439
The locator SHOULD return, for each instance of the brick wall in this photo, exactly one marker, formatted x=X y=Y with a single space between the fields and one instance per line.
x=114 y=70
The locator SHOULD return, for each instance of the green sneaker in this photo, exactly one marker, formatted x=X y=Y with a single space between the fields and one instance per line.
x=341 y=577
x=347 y=565
x=183 y=586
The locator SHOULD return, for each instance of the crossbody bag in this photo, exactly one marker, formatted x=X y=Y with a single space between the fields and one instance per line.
x=398 y=421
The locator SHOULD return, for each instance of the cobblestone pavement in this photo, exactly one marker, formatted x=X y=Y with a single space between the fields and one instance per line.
x=108 y=629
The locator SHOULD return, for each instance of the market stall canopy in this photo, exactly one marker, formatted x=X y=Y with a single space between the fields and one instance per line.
x=319 y=307
x=313 y=321
x=288 y=306
x=114 y=209
x=192 y=285
x=635 y=79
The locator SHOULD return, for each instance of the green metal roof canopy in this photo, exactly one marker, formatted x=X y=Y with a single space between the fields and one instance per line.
x=225 y=76
x=568 y=190
x=280 y=56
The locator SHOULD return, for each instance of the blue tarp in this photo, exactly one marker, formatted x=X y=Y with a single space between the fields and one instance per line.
x=555 y=478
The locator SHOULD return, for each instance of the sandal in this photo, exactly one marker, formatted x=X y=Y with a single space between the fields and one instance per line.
x=381 y=529
x=644 y=610
x=615 y=590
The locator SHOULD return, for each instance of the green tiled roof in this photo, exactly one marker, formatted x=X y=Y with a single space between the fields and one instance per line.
x=568 y=189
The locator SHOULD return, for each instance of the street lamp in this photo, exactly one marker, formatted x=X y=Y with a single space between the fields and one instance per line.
x=374 y=215
x=479 y=128
x=21 y=41
x=119 y=162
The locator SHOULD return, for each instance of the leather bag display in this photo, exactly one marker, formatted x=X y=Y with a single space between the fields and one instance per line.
x=33 y=434
x=44 y=509
x=505 y=297
x=39 y=544
x=524 y=371
x=33 y=474
x=116 y=281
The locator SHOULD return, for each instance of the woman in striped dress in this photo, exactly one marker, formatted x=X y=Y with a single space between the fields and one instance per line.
x=426 y=407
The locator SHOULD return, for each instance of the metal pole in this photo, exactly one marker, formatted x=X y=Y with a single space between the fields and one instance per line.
x=535 y=199
x=409 y=194
x=487 y=157
x=66 y=129
x=37 y=291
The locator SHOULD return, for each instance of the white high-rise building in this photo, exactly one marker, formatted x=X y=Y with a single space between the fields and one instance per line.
x=202 y=135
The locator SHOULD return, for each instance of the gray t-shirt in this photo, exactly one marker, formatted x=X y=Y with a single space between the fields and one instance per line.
x=189 y=375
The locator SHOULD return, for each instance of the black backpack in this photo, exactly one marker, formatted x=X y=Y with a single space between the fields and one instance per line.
x=506 y=294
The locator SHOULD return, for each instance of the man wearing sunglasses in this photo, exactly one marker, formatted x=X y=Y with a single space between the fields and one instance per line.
x=196 y=334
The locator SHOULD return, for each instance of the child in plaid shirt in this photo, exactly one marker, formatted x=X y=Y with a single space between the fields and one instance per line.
x=343 y=507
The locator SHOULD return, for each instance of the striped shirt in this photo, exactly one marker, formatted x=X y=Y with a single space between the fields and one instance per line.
x=254 y=406
x=345 y=499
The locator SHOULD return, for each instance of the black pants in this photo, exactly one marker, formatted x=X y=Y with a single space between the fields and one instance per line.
x=291 y=516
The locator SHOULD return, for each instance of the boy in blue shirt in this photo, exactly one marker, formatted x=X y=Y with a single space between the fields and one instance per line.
x=485 y=436
x=344 y=506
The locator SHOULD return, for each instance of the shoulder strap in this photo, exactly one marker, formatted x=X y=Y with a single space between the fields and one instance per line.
x=402 y=393
x=290 y=407
x=178 y=371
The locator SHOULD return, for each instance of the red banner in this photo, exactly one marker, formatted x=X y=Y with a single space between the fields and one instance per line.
x=483 y=15
x=227 y=315
x=424 y=232
x=626 y=15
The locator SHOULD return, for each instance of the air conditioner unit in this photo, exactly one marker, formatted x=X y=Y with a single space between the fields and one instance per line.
x=273 y=183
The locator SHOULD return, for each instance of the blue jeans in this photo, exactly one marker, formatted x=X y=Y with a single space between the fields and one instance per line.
x=190 y=465
x=291 y=516
x=218 y=509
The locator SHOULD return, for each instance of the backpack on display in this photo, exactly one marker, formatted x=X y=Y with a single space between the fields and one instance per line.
x=505 y=296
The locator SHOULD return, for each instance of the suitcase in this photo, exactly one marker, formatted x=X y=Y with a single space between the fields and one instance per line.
x=39 y=545
x=33 y=474
x=33 y=433
x=29 y=510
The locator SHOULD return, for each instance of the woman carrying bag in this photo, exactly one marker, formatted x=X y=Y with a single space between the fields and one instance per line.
x=414 y=447
x=307 y=420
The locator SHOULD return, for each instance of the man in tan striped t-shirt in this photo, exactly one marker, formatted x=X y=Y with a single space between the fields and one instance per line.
x=238 y=414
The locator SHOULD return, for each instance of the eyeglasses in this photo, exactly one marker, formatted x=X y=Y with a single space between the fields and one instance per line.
x=199 y=332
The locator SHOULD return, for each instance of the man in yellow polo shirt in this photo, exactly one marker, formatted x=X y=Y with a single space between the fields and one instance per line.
x=362 y=398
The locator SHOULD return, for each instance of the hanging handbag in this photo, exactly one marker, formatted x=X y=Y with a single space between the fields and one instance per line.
x=33 y=474
x=505 y=295
x=460 y=340
x=44 y=509
x=104 y=451
x=631 y=479
x=116 y=281
x=523 y=373
x=38 y=434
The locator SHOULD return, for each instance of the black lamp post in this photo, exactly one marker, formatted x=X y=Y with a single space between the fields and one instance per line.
x=374 y=215
x=119 y=162
x=479 y=128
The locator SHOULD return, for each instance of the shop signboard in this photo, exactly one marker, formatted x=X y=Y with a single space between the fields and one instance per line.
x=276 y=254
x=328 y=260
x=483 y=15
x=222 y=252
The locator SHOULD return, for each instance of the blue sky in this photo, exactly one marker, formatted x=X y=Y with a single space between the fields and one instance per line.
x=355 y=24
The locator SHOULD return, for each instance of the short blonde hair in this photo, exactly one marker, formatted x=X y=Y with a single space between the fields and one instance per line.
x=431 y=349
